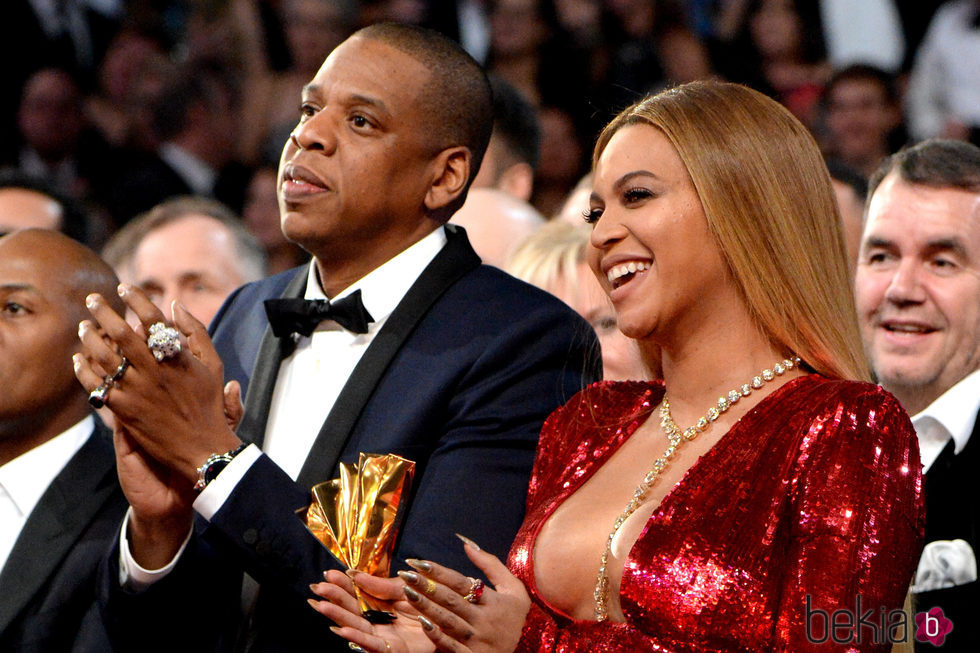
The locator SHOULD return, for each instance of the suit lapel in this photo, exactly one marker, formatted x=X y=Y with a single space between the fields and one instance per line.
x=262 y=383
x=65 y=510
x=455 y=260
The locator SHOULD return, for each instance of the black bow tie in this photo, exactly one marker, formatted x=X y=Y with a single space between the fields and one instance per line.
x=295 y=315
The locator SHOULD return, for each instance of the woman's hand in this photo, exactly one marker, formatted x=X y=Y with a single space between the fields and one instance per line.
x=340 y=606
x=455 y=617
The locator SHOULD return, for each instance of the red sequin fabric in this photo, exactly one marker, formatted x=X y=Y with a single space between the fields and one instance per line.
x=809 y=504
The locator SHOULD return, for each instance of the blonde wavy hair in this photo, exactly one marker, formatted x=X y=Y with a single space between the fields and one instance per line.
x=770 y=205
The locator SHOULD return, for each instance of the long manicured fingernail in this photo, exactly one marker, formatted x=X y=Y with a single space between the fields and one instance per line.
x=411 y=594
x=421 y=565
x=312 y=603
x=76 y=361
x=122 y=289
x=92 y=300
x=467 y=540
x=313 y=587
x=335 y=630
x=428 y=625
x=409 y=577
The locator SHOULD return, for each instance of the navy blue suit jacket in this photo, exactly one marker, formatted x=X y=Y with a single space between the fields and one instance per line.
x=459 y=380
x=48 y=584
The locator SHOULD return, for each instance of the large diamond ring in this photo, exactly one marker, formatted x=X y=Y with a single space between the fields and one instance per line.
x=164 y=341
x=476 y=590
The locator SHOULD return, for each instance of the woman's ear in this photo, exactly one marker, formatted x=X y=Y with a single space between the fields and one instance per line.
x=451 y=172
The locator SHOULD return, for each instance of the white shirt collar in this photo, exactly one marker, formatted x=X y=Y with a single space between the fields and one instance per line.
x=956 y=410
x=26 y=477
x=196 y=173
x=385 y=286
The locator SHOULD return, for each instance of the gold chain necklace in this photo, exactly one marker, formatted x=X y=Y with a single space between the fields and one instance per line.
x=674 y=439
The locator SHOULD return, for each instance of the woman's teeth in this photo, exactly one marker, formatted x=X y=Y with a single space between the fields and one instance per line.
x=621 y=271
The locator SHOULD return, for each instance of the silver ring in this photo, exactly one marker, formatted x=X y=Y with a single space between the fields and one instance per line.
x=97 y=397
x=354 y=647
x=118 y=374
x=163 y=341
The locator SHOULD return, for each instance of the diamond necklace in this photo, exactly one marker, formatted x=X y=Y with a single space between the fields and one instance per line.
x=674 y=439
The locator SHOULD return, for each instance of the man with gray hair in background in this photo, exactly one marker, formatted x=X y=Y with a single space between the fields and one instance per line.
x=918 y=299
x=190 y=249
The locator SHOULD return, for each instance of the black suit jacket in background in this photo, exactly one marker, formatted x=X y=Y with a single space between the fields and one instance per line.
x=952 y=489
x=459 y=379
x=48 y=584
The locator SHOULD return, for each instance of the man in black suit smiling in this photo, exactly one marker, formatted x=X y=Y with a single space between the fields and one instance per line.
x=424 y=353
x=918 y=298
x=60 y=502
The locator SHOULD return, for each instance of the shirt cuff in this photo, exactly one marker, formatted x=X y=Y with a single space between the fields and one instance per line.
x=132 y=576
x=212 y=497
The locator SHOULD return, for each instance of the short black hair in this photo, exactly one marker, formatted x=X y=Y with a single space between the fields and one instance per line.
x=457 y=95
x=197 y=82
x=936 y=162
x=861 y=72
x=515 y=122
x=74 y=217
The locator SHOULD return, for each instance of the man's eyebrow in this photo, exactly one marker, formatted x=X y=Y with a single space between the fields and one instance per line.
x=310 y=89
x=15 y=287
x=877 y=241
x=951 y=244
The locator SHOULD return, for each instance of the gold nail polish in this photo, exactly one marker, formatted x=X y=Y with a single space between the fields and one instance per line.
x=428 y=625
x=411 y=594
x=467 y=540
x=420 y=565
x=409 y=577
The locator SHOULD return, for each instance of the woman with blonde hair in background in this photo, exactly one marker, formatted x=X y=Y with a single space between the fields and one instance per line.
x=553 y=258
x=761 y=487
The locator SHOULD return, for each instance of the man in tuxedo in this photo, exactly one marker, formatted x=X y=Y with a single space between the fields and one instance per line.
x=60 y=502
x=423 y=352
x=918 y=297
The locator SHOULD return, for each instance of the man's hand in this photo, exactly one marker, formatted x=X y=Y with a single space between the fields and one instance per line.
x=161 y=501
x=174 y=410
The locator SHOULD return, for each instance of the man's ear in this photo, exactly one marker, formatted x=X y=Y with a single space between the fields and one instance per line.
x=451 y=171
x=518 y=180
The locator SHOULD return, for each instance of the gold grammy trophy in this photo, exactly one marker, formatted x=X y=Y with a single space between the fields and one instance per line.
x=357 y=517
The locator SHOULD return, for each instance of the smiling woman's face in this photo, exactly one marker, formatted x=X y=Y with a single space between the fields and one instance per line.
x=652 y=249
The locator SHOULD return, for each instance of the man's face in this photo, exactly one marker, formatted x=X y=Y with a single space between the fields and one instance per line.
x=354 y=178
x=860 y=118
x=918 y=288
x=39 y=317
x=193 y=260
x=21 y=209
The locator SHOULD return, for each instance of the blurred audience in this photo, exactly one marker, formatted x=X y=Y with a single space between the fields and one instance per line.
x=190 y=249
x=262 y=218
x=196 y=120
x=851 y=189
x=496 y=223
x=864 y=117
x=944 y=88
x=512 y=155
x=28 y=202
x=553 y=259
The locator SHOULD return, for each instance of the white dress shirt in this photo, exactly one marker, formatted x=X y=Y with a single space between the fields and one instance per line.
x=308 y=384
x=945 y=80
x=25 y=479
x=952 y=415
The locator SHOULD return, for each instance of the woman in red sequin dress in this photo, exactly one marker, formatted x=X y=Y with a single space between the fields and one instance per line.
x=761 y=497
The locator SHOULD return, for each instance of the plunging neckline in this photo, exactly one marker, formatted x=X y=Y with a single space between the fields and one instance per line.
x=666 y=501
